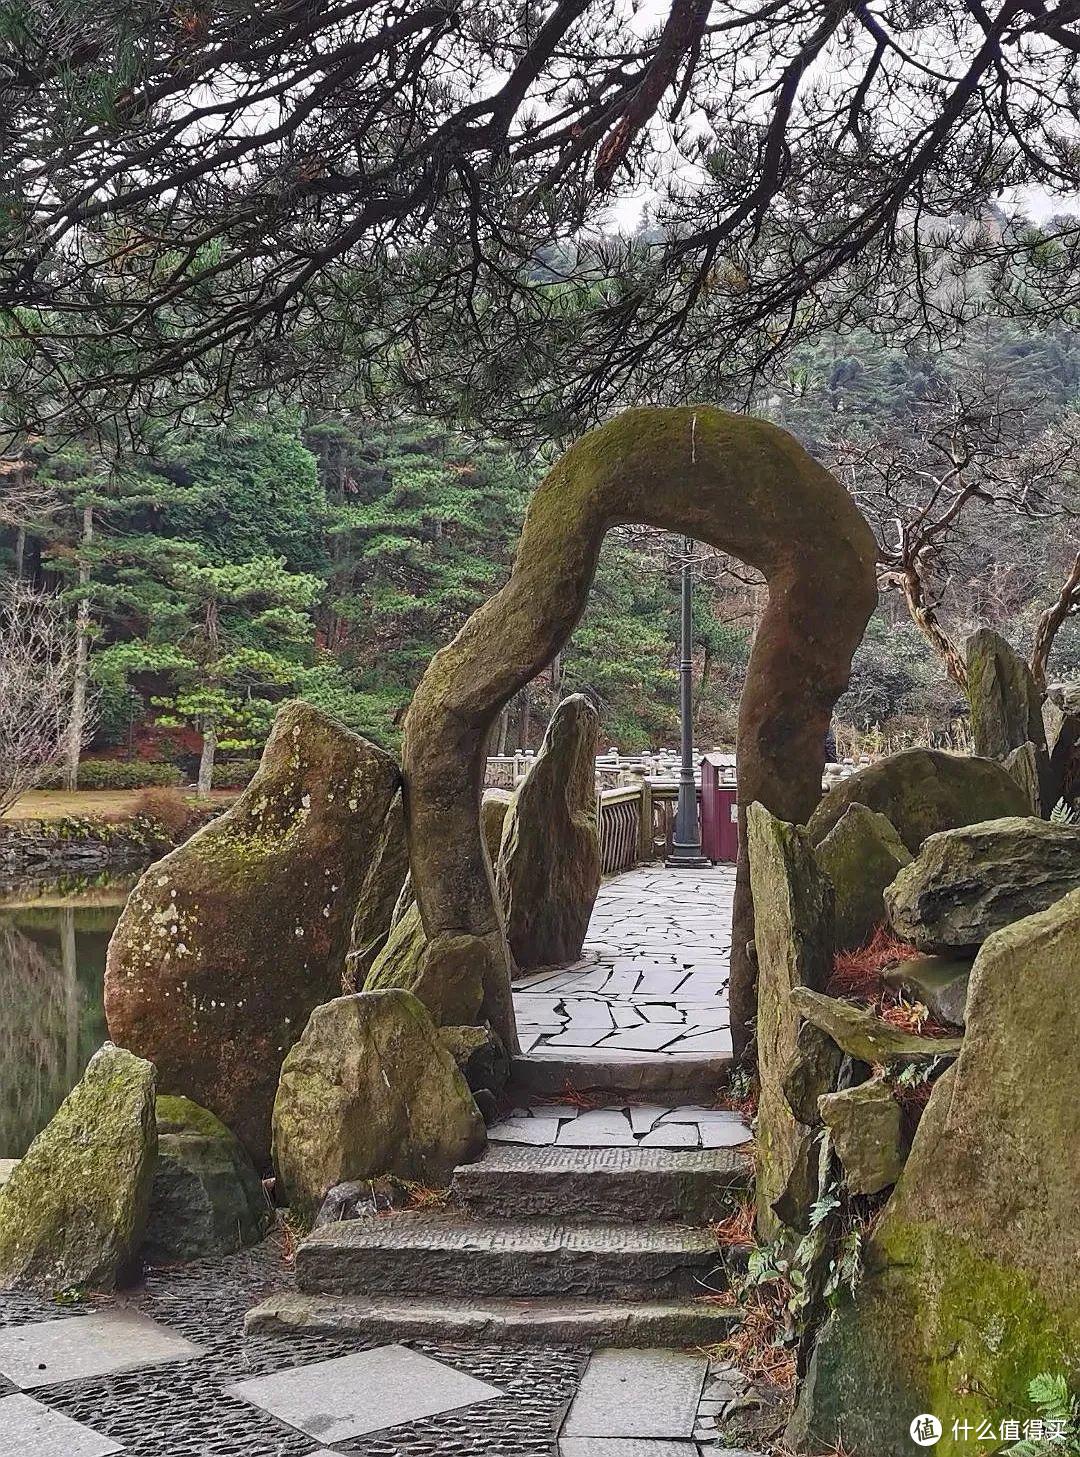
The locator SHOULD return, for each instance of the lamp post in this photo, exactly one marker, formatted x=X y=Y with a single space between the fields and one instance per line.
x=686 y=841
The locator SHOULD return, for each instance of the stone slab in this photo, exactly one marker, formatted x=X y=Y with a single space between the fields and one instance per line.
x=547 y=1321
x=30 y=1429
x=48 y=1352
x=637 y=1394
x=369 y=1391
x=623 y=1447
x=536 y=1131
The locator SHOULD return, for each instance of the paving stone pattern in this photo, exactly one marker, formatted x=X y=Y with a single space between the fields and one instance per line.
x=195 y=1406
x=626 y=1125
x=652 y=979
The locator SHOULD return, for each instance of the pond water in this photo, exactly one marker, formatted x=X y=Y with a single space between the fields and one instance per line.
x=53 y=938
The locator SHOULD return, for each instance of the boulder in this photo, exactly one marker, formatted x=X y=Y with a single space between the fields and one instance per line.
x=861 y=855
x=965 y=884
x=548 y=871
x=793 y=937
x=865 y=1036
x=450 y=987
x=1006 y=706
x=73 y=1212
x=227 y=944
x=367 y=1090
x=480 y=1056
x=939 y=984
x=1024 y=765
x=374 y=915
x=866 y=1126
x=922 y=791
x=814 y=1067
x=206 y=1197
x=971 y=1283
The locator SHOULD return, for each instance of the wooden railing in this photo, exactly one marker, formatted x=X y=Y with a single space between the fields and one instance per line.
x=634 y=824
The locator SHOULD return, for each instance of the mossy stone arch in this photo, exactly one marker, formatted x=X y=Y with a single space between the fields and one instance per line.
x=741 y=485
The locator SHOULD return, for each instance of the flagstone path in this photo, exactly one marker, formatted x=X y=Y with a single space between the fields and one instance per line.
x=464 y=1332
x=652 y=979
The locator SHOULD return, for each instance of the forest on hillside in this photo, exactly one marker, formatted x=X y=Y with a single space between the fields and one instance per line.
x=236 y=566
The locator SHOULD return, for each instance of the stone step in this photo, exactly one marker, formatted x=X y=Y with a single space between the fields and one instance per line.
x=440 y=1253
x=683 y=1078
x=676 y=1186
x=544 y=1320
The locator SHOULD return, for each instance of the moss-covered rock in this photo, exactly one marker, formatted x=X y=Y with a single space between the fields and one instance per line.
x=1006 y=706
x=206 y=1197
x=74 y=1210
x=369 y=1089
x=480 y=1056
x=965 y=884
x=923 y=791
x=374 y=915
x=228 y=943
x=449 y=985
x=793 y=935
x=867 y=1135
x=865 y=1036
x=972 y=1284
x=861 y=855
x=548 y=870
x=1029 y=770
x=742 y=485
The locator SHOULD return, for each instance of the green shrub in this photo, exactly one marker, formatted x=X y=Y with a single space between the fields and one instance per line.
x=118 y=774
x=234 y=773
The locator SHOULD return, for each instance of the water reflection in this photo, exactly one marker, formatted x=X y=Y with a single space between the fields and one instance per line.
x=53 y=938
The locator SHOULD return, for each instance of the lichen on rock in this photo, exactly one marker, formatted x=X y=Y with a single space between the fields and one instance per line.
x=370 y=1089
x=972 y=1284
x=227 y=944
x=74 y=1210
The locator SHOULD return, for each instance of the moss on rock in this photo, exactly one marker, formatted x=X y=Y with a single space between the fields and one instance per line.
x=206 y=1197
x=972 y=1283
x=370 y=1089
x=793 y=933
x=227 y=944
x=738 y=483
x=861 y=855
x=74 y=1210
x=923 y=791
x=548 y=868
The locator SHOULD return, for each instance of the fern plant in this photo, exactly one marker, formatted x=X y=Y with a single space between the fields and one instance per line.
x=1049 y=1394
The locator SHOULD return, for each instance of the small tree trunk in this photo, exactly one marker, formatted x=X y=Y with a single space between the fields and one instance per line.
x=502 y=730
x=20 y=552
x=925 y=619
x=206 y=762
x=1046 y=629
x=77 y=722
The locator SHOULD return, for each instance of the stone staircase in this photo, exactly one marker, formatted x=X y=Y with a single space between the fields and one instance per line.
x=589 y=1246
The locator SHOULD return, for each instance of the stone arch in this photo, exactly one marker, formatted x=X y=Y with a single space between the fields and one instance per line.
x=740 y=484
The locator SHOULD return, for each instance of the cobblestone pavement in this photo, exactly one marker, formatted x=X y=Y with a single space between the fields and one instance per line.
x=652 y=979
x=195 y=1385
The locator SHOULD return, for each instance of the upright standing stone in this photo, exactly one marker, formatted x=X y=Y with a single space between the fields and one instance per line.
x=793 y=934
x=548 y=870
x=228 y=943
x=74 y=1210
x=972 y=1282
x=1006 y=706
x=450 y=989
x=861 y=855
x=379 y=894
x=369 y=1089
